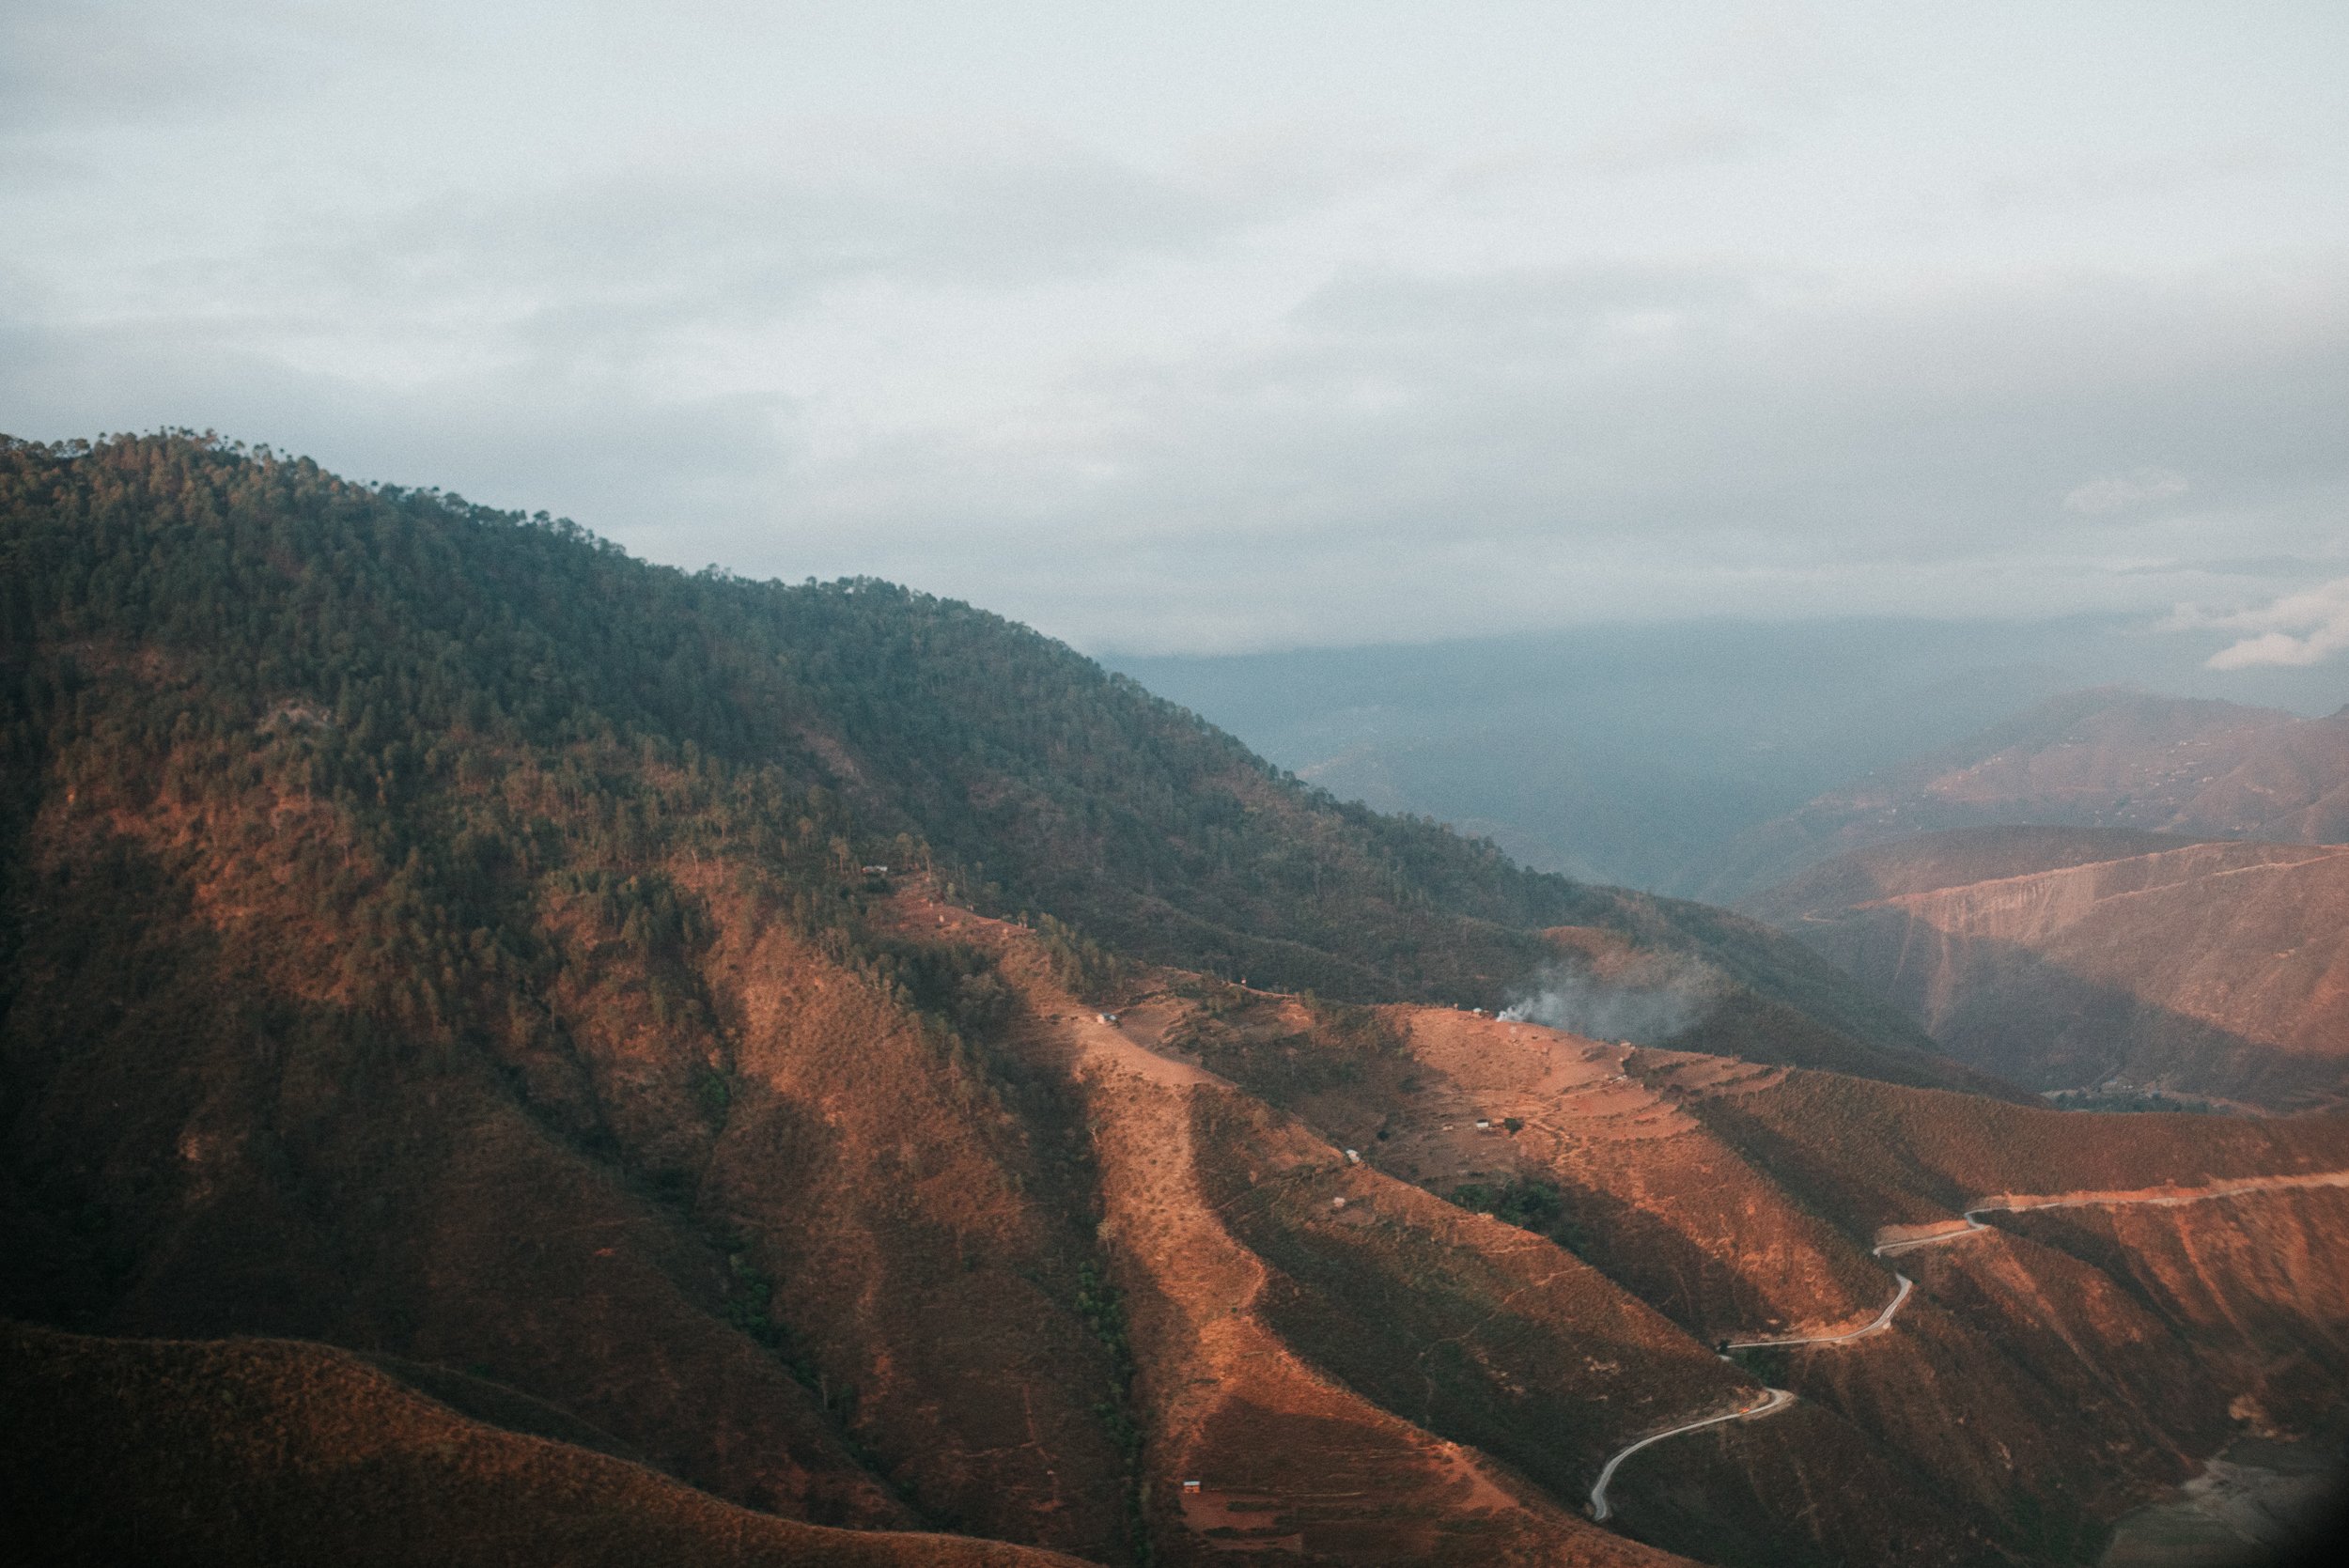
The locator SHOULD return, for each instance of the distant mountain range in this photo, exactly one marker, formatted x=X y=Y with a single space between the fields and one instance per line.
x=1641 y=754
x=511 y=1054
x=2105 y=758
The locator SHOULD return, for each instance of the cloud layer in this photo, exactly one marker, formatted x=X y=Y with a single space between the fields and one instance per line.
x=2298 y=630
x=1230 y=326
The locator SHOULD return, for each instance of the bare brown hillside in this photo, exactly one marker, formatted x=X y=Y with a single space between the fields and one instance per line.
x=2061 y=958
x=868 y=1225
x=1028 y=1275
x=1741 y=1200
x=2107 y=758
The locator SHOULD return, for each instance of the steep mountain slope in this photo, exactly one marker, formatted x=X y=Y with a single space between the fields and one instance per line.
x=2295 y=788
x=2061 y=957
x=2106 y=758
x=258 y=1450
x=435 y=935
x=399 y=648
x=1351 y=1368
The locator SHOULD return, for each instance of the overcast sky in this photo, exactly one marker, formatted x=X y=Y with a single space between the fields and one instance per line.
x=1226 y=326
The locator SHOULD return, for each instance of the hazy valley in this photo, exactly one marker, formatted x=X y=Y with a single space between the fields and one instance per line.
x=1713 y=759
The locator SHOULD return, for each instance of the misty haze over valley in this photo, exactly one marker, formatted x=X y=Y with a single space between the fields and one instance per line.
x=1635 y=753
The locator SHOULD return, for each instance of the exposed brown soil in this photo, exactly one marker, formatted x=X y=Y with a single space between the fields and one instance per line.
x=852 y=1290
x=2013 y=1404
x=1200 y=1195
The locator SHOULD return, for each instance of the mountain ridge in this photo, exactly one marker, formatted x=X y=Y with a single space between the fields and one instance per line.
x=1034 y=778
x=742 y=1021
x=2107 y=757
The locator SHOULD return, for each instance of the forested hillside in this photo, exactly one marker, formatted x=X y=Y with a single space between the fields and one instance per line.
x=389 y=653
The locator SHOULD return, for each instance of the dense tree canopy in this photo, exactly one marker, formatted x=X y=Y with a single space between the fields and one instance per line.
x=401 y=652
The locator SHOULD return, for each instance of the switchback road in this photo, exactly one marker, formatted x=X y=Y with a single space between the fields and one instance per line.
x=1772 y=1399
x=1777 y=1398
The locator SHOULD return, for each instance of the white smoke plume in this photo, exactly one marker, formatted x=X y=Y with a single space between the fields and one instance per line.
x=1645 y=1004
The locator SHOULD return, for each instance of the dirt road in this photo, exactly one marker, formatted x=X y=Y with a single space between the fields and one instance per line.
x=1772 y=1400
x=1907 y=1238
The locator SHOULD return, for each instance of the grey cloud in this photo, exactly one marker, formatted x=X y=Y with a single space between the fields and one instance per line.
x=1207 y=370
x=1757 y=454
x=1525 y=306
x=505 y=437
x=642 y=255
x=89 y=62
x=2125 y=178
x=2270 y=568
x=1403 y=456
x=1402 y=460
x=1693 y=405
x=2115 y=491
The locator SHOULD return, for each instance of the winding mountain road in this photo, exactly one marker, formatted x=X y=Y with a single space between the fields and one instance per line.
x=1882 y=1319
x=1772 y=1400
x=1775 y=1400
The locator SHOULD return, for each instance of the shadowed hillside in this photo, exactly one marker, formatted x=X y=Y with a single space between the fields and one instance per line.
x=2067 y=958
x=273 y=1451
